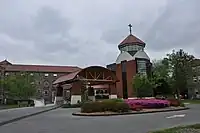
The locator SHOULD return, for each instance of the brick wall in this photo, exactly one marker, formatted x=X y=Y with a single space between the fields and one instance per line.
x=131 y=72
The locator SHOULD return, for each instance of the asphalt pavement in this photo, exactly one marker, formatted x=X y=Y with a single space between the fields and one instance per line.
x=61 y=121
x=17 y=113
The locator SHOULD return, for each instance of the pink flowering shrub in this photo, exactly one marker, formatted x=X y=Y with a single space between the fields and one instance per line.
x=147 y=103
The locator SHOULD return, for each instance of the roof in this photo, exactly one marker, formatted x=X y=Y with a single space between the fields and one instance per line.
x=75 y=75
x=124 y=56
x=41 y=68
x=131 y=39
x=37 y=68
x=68 y=77
x=141 y=54
x=5 y=62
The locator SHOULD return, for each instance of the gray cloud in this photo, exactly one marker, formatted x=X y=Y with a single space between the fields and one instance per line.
x=87 y=33
x=177 y=27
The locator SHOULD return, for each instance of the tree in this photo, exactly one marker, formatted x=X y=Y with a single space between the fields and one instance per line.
x=161 y=77
x=142 y=86
x=180 y=65
x=20 y=86
x=161 y=68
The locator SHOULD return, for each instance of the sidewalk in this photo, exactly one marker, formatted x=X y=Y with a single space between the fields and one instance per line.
x=11 y=115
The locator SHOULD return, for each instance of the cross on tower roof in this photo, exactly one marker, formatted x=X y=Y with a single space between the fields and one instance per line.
x=130 y=28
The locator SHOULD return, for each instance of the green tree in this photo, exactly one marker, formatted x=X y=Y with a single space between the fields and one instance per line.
x=161 y=68
x=142 y=86
x=20 y=85
x=180 y=65
x=161 y=77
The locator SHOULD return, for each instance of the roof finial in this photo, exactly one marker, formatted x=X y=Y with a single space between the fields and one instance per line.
x=130 y=28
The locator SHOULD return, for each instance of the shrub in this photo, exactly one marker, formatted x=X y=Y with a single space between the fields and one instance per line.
x=112 y=105
x=174 y=102
x=121 y=107
x=90 y=107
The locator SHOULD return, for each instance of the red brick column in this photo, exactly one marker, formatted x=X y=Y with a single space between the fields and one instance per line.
x=130 y=73
x=119 y=86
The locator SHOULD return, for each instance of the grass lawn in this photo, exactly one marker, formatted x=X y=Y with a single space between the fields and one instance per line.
x=10 y=106
x=182 y=129
x=191 y=101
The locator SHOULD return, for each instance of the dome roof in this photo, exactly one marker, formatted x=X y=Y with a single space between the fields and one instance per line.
x=124 y=56
x=131 y=40
x=141 y=55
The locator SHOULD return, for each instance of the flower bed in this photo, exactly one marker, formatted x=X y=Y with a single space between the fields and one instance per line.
x=126 y=105
x=147 y=103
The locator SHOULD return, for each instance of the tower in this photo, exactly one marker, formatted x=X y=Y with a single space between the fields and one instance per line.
x=131 y=44
x=131 y=60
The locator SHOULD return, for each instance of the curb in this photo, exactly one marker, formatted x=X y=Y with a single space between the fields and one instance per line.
x=26 y=116
x=130 y=113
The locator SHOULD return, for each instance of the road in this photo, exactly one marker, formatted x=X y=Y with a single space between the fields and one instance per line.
x=9 y=114
x=61 y=121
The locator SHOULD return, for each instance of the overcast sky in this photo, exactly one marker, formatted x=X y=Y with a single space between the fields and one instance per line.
x=87 y=32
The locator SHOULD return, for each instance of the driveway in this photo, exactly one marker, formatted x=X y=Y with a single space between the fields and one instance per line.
x=61 y=121
x=9 y=114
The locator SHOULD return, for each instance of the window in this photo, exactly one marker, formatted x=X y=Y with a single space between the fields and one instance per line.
x=193 y=68
x=141 y=66
x=198 y=78
x=195 y=79
x=46 y=74
x=46 y=92
x=39 y=91
x=105 y=91
x=55 y=75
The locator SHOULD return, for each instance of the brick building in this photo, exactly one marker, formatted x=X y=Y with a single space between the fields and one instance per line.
x=46 y=76
x=194 y=80
x=116 y=80
x=131 y=60
x=58 y=83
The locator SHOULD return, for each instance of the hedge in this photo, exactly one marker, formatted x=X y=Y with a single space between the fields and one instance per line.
x=112 y=105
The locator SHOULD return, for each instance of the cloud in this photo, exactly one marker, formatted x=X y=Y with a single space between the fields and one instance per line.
x=176 y=27
x=88 y=33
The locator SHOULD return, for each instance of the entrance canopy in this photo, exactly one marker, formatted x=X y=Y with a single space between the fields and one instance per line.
x=92 y=75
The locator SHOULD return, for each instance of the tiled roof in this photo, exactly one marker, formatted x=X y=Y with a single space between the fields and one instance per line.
x=67 y=77
x=37 y=68
x=5 y=62
x=131 y=39
x=41 y=68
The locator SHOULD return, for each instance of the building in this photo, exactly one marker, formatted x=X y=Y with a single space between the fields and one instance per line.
x=47 y=75
x=73 y=84
x=131 y=60
x=194 y=81
x=115 y=81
